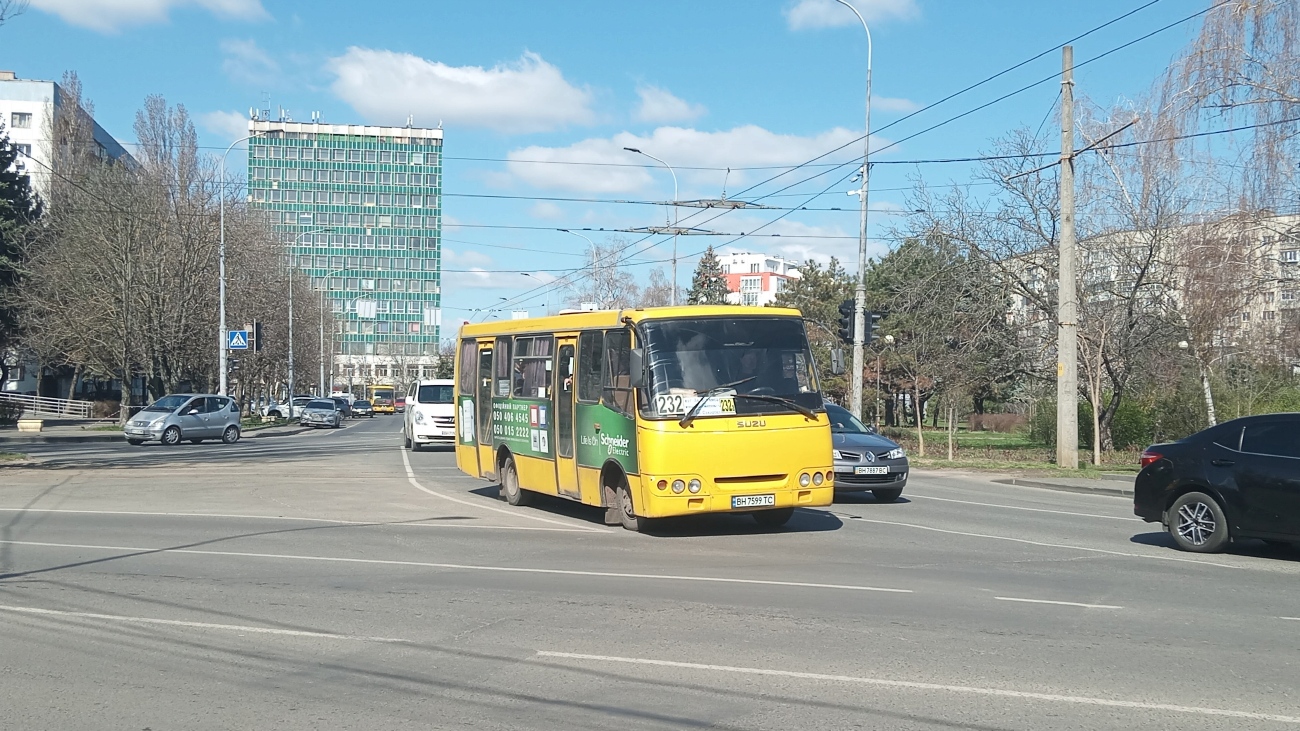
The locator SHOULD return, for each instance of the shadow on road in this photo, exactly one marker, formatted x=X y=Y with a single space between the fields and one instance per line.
x=866 y=498
x=1245 y=547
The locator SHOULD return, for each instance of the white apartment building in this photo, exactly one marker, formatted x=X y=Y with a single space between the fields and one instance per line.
x=28 y=109
x=755 y=280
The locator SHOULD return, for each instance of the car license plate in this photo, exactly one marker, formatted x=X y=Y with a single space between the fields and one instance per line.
x=870 y=470
x=752 y=501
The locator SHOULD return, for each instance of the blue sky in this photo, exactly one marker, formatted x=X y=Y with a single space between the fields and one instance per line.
x=701 y=84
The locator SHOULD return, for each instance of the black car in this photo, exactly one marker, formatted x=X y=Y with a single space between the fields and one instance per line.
x=865 y=460
x=344 y=407
x=1240 y=479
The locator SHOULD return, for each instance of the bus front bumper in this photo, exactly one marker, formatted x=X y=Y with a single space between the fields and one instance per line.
x=661 y=505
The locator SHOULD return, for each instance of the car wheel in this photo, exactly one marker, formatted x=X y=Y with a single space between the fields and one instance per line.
x=887 y=496
x=514 y=494
x=273 y=414
x=1197 y=523
x=135 y=442
x=774 y=518
x=406 y=442
x=627 y=511
x=230 y=435
x=171 y=436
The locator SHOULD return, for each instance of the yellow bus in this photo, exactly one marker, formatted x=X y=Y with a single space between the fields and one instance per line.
x=382 y=399
x=648 y=413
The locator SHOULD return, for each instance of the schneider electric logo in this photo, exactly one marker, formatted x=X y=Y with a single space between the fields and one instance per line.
x=613 y=445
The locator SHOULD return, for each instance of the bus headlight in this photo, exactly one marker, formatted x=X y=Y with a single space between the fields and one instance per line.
x=804 y=479
x=817 y=478
x=694 y=486
x=662 y=485
x=678 y=486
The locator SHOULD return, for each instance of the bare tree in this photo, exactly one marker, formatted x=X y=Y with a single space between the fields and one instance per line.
x=10 y=9
x=605 y=280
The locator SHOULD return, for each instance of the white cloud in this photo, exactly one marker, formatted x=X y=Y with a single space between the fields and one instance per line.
x=659 y=105
x=529 y=95
x=546 y=211
x=228 y=126
x=473 y=270
x=109 y=16
x=246 y=61
x=893 y=104
x=829 y=13
x=743 y=146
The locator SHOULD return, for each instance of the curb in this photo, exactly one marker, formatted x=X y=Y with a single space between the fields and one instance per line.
x=275 y=432
x=1120 y=491
x=62 y=439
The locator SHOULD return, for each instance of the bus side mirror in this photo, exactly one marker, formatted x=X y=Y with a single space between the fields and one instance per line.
x=837 y=362
x=636 y=365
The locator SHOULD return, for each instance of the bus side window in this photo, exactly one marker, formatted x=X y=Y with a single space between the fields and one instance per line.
x=591 y=347
x=466 y=368
x=618 y=373
x=502 y=352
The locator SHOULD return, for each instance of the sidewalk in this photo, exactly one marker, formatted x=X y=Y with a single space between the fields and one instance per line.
x=1106 y=485
x=71 y=433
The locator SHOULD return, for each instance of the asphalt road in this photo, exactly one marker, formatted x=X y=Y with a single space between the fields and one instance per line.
x=328 y=580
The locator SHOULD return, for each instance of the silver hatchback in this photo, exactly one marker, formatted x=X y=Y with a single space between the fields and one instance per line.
x=179 y=416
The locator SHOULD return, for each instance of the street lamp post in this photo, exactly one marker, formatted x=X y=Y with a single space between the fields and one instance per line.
x=593 y=249
x=547 y=285
x=296 y=240
x=222 y=352
x=675 y=222
x=889 y=340
x=860 y=296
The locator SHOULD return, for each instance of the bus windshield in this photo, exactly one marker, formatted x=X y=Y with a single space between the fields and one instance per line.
x=751 y=363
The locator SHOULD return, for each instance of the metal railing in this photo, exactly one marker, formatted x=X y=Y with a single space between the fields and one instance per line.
x=38 y=406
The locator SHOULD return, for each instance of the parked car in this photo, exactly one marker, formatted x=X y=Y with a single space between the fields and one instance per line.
x=345 y=407
x=361 y=408
x=1240 y=479
x=281 y=411
x=322 y=412
x=430 y=415
x=865 y=460
x=400 y=404
x=179 y=416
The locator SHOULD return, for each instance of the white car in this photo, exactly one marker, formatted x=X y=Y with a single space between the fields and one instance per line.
x=430 y=416
x=281 y=411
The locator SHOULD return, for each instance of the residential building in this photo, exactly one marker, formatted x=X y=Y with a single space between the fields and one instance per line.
x=360 y=208
x=28 y=111
x=756 y=279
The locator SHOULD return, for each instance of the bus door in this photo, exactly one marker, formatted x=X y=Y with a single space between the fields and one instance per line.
x=566 y=465
x=483 y=404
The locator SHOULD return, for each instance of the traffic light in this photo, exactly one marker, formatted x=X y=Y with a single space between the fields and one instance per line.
x=847 y=320
x=873 y=322
x=232 y=365
x=257 y=336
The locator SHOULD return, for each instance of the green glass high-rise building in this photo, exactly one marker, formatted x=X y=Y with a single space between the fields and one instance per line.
x=361 y=209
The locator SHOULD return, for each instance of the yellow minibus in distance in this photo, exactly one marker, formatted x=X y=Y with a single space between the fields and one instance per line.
x=648 y=413
x=382 y=399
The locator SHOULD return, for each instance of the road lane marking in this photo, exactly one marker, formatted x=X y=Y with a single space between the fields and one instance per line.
x=1293 y=619
x=410 y=477
x=414 y=523
x=1049 y=601
x=198 y=625
x=1046 y=545
x=457 y=567
x=1017 y=507
x=913 y=685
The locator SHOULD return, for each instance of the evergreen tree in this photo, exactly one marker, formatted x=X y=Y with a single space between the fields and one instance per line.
x=19 y=208
x=709 y=285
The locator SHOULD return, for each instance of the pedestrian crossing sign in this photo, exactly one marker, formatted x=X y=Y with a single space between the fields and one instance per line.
x=237 y=340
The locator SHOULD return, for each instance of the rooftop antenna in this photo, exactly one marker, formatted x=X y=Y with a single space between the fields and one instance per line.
x=252 y=113
x=266 y=105
x=439 y=124
x=410 y=120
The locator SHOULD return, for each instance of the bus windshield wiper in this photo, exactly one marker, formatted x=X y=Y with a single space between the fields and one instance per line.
x=780 y=400
x=705 y=395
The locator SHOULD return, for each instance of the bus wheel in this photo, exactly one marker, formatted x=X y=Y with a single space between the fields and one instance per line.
x=514 y=494
x=627 y=511
x=774 y=518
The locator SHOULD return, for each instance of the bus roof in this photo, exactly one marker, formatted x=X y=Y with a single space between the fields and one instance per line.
x=612 y=318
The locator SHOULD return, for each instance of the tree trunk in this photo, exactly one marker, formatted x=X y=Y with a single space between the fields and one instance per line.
x=1096 y=427
x=124 y=399
x=952 y=428
x=1209 y=396
x=920 y=420
x=72 y=387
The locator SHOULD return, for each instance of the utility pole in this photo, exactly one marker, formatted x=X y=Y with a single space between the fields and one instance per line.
x=860 y=294
x=1067 y=305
